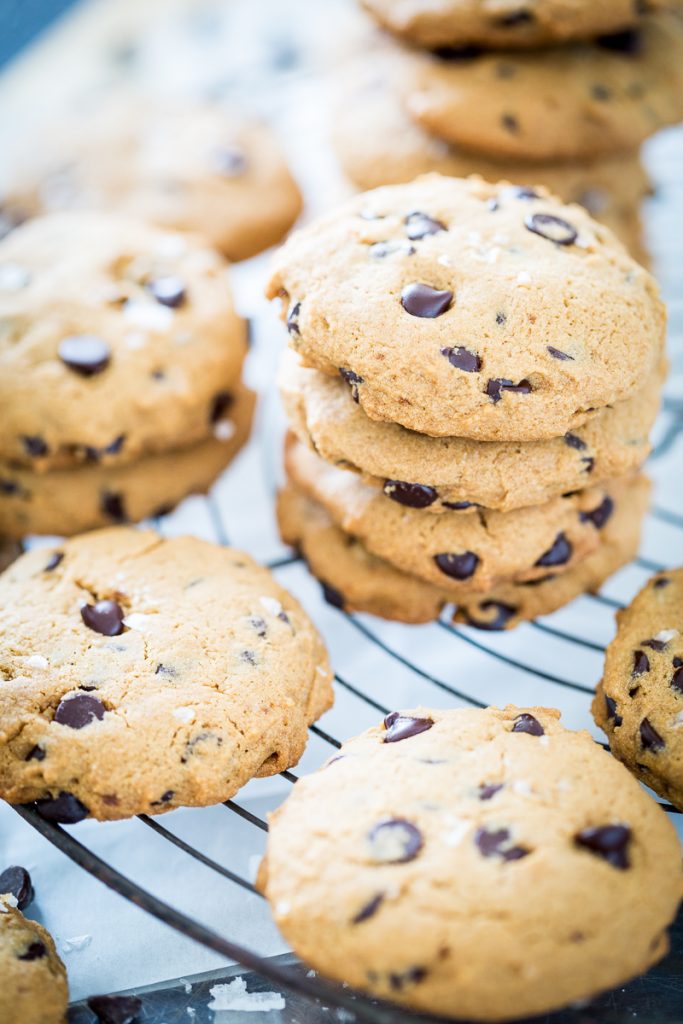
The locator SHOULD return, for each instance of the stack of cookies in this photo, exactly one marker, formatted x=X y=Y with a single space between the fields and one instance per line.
x=547 y=93
x=120 y=372
x=478 y=368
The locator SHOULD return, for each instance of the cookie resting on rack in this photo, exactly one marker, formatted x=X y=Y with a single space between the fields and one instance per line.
x=639 y=702
x=142 y=674
x=34 y=987
x=456 y=307
x=476 y=854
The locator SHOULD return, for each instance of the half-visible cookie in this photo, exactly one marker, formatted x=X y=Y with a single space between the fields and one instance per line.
x=34 y=988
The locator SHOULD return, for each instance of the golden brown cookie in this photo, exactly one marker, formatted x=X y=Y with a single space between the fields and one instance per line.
x=34 y=988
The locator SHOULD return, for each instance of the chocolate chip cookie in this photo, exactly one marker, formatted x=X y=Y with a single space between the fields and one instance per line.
x=69 y=501
x=454 y=307
x=34 y=988
x=573 y=102
x=117 y=339
x=354 y=579
x=475 y=854
x=639 y=702
x=457 y=474
x=142 y=674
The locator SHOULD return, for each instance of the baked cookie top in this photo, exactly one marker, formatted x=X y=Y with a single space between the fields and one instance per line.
x=34 y=988
x=578 y=101
x=639 y=702
x=116 y=339
x=472 y=855
x=141 y=674
x=456 y=307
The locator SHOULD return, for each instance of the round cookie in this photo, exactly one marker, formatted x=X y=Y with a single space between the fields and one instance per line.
x=476 y=853
x=378 y=144
x=573 y=102
x=462 y=308
x=198 y=168
x=34 y=988
x=509 y=23
x=459 y=553
x=142 y=674
x=355 y=580
x=70 y=501
x=436 y=474
x=117 y=339
x=639 y=702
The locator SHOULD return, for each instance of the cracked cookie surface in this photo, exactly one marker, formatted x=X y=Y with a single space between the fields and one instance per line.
x=34 y=987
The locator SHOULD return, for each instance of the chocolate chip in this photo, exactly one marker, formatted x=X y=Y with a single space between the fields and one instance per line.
x=105 y=617
x=169 y=291
x=492 y=205
x=496 y=386
x=528 y=724
x=510 y=123
x=641 y=663
x=556 y=354
x=410 y=977
x=9 y=486
x=78 y=711
x=558 y=554
x=462 y=358
x=259 y=625
x=677 y=678
x=514 y=18
x=628 y=41
x=65 y=809
x=459 y=567
x=85 y=354
x=394 y=841
x=598 y=516
x=55 y=559
x=112 y=505
x=230 y=161
x=402 y=727
x=600 y=92
x=611 y=842
x=654 y=644
x=501 y=318
x=165 y=670
x=488 y=790
x=164 y=798
x=502 y=614
x=381 y=249
x=575 y=442
x=17 y=881
x=522 y=192
x=424 y=301
x=220 y=403
x=353 y=380
x=588 y=463
x=553 y=228
x=412 y=495
x=115 y=1009
x=457 y=53
x=34 y=446
x=662 y=581
x=36 y=951
x=369 y=909
x=459 y=506
x=611 y=711
x=332 y=595
x=36 y=753
x=496 y=843
x=293 y=318
x=649 y=737
x=419 y=225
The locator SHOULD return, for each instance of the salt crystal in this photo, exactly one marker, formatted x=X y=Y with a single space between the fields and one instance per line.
x=135 y=340
x=37 y=661
x=444 y=260
x=152 y=316
x=224 y=430
x=234 y=996
x=7 y=900
x=13 y=277
x=523 y=278
x=665 y=635
x=136 y=620
x=184 y=714
x=282 y=908
x=271 y=605
x=76 y=944
x=522 y=787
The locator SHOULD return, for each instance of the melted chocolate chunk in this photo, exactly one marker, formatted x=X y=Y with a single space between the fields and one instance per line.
x=611 y=711
x=412 y=495
x=496 y=843
x=419 y=225
x=169 y=291
x=401 y=727
x=220 y=403
x=422 y=300
x=79 y=710
x=489 y=790
x=553 y=228
x=649 y=737
x=598 y=516
x=558 y=554
x=353 y=380
x=502 y=614
x=394 y=841
x=459 y=567
x=528 y=724
x=115 y=1009
x=332 y=595
x=293 y=318
x=496 y=386
x=462 y=358
x=557 y=354
x=17 y=881
x=368 y=909
x=55 y=559
x=629 y=41
x=641 y=663
x=105 y=617
x=34 y=446
x=611 y=842
x=65 y=809
x=85 y=354
x=112 y=505
x=36 y=951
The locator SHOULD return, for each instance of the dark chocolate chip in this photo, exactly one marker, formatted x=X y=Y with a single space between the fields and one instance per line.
x=78 y=711
x=496 y=386
x=628 y=41
x=105 y=617
x=17 y=881
x=462 y=358
x=600 y=92
x=165 y=670
x=457 y=53
x=65 y=809
x=514 y=18
x=459 y=506
x=381 y=249
x=230 y=161
x=611 y=710
x=401 y=727
x=169 y=291
x=36 y=753
x=55 y=559
x=633 y=691
x=332 y=595
x=522 y=192
x=662 y=581
x=36 y=951
x=677 y=678
x=553 y=228
x=165 y=798
x=459 y=567
x=293 y=318
x=259 y=625
x=598 y=516
x=418 y=225
x=510 y=123
x=412 y=495
x=394 y=841
x=528 y=724
x=488 y=790
x=492 y=205
x=502 y=614
x=368 y=909
x=649 y=737
x=85 y=354
x=424 y=301
x=34 y=446
x=501 y=318
x=641 y=663
x=112 y=505
x=654 y=644
x=115 y=1009
x=611 y=842
x=496 y=843
x=353 y=380
x=410 y=977
x=9 y=486
x=557 y=354
x=588 y=463
x=558 y=554
x=220 y=403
